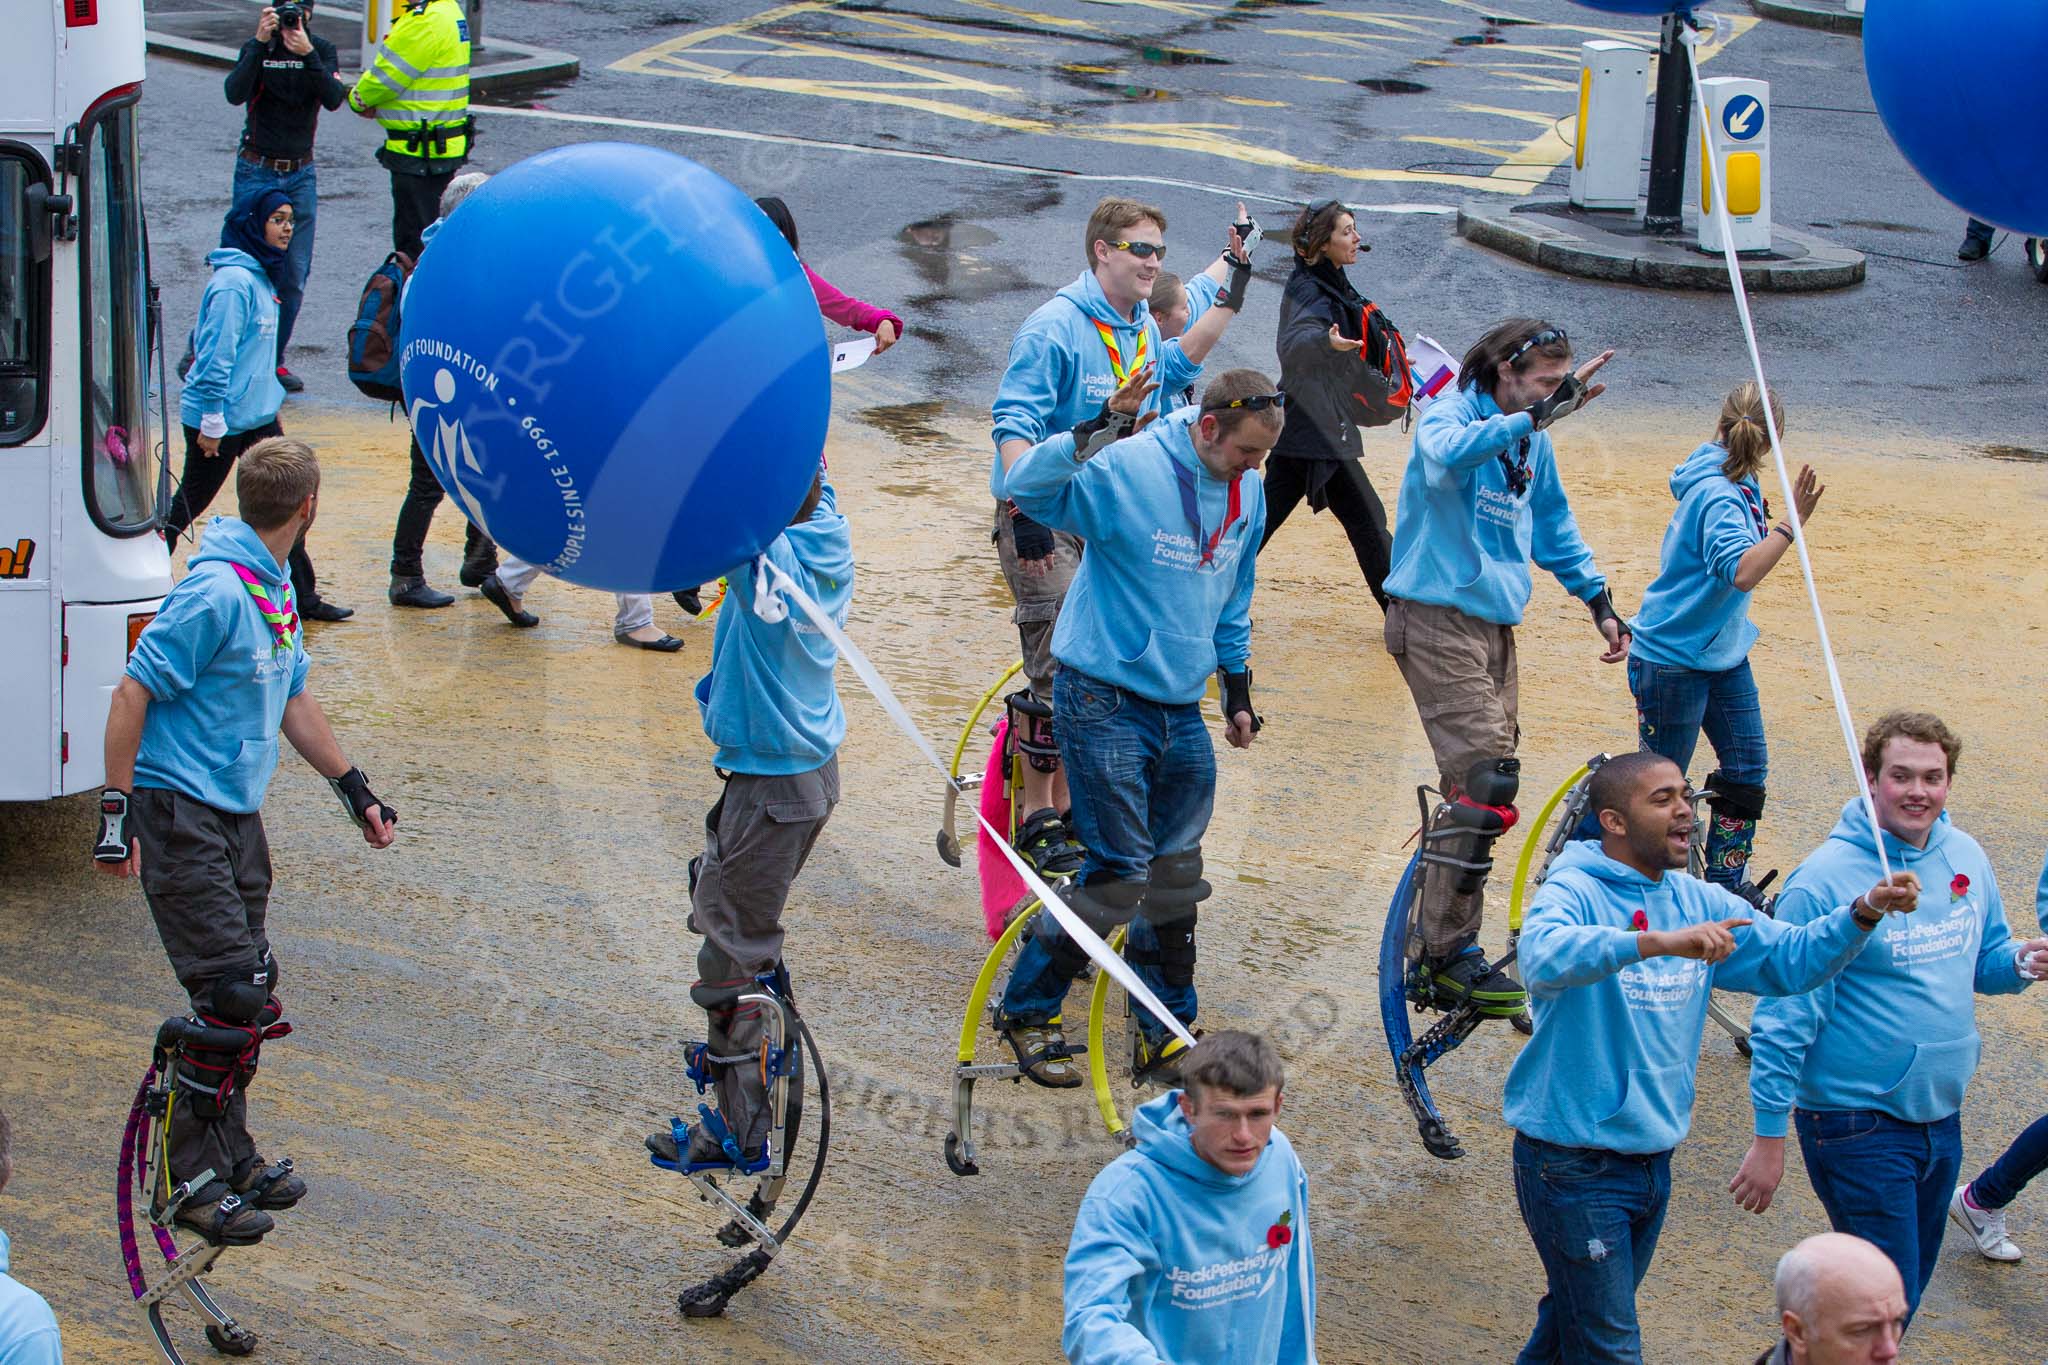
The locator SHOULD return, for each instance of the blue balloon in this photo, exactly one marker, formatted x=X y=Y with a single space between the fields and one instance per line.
x=613 y=361
x=1961 y=90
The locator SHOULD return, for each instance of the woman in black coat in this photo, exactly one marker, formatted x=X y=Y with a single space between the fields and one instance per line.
x=1330 y=387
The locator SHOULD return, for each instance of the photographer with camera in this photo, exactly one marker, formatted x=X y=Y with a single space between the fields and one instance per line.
x=286 y=76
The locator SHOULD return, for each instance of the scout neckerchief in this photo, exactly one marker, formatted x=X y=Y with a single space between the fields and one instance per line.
x=1193 y=511
x=282 y=615
x=1759 y=509
x=1117 y=366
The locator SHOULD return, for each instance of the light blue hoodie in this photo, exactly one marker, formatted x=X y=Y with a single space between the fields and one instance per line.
x=1172 y=1260
x=1897 y=1032
x=1693 y=615
x=234 y=347
x=769 y=702
x=28 y=1329
x=1617 y=1042
x=216 y=678
x=1144 y=612
x=1059 y=373
x=1461 y=538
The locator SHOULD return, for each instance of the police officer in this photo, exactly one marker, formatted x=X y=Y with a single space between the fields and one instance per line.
x=417 y=88
x=286 y=76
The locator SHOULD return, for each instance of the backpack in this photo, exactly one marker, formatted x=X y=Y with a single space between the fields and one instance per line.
x=1385 y=353
x=373 y=336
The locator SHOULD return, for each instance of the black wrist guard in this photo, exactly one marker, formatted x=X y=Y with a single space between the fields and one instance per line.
x=113 y=844
x=1248 y=234
x=1033 y=540
x=358 y=800
x=1601 y=604
x=1568 y=398
x=1232 y=296
x=1236 y=689
x=1101 y=431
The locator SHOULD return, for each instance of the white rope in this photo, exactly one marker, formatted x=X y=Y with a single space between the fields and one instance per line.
x=1709 y=149
x=1091 y=942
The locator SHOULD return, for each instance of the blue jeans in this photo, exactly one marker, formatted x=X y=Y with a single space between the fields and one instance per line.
x=1885 y=1180
x=1143 y=777
x=1674 y=704
x=303 y=187
x=1594 y=1217
x=2002 y=1181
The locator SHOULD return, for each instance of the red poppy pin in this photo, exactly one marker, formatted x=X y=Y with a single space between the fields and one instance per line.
x=1641 y=921
x=1959 y=888
x=1282 y=1232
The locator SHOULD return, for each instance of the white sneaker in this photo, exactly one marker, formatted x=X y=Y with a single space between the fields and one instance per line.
x=1985 y=1226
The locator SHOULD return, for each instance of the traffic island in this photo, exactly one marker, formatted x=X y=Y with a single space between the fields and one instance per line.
x=1833 y=16
x=213 y=31
x=1597 y=245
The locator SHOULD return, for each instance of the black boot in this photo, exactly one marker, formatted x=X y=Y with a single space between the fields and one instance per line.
x=479 y=561
x=414 y=592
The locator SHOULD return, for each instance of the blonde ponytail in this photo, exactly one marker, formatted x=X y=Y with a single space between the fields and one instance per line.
x=1742 y=432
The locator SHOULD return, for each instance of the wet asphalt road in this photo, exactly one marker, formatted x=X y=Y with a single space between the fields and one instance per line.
x=487 y=1013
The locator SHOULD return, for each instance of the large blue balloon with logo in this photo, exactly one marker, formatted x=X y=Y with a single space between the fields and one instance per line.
x=1963 y=90
x=614 y=363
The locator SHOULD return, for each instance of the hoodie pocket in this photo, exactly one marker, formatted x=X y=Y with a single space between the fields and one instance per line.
x=1175 y=662
x=1656 y=1103
x=252 y=762
x=1933 y=1082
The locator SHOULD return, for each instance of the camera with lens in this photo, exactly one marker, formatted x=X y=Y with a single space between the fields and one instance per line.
x=290 y=14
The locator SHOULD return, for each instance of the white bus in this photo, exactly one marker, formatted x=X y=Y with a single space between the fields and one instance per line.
x=82 y=477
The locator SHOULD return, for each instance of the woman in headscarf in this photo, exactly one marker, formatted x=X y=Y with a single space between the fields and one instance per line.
x=232 y=394
x=1331 y=383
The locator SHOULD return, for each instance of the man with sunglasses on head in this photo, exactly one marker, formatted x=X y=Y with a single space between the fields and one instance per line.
x=1066 y=361
x=1161 y=601
x=1480 y=499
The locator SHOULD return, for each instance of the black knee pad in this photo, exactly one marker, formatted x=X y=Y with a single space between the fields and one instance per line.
x=1104 y=906
x=717 y=990
x=1734 y=800
x=238 y=996
x=1171 y=901
x=1031 y=730
x=1493 y=781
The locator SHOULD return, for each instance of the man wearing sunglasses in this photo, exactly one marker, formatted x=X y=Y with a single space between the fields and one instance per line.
x=1066 y=361
x=1480 y=499
x=1161 y=601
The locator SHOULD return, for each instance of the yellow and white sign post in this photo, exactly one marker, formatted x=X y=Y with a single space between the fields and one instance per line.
x=1607 y=155
x=1739 y=111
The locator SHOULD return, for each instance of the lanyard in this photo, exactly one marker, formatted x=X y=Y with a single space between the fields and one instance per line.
x=282 y=616
x=1193 y=511
x=1759 y=510
x=1117 y=366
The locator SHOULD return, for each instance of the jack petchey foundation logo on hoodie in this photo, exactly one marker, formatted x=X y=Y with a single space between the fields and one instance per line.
x=1223 y=1282
x=1662 y=984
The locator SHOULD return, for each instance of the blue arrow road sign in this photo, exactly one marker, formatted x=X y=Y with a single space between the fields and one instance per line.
x=1743 y=117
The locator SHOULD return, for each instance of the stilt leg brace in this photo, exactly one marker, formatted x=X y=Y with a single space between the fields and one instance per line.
x=1171 y=901
x=1105 y=906
x=1731 y=827
x=1031 y=730
x=1459 y=843
x=237 y=1015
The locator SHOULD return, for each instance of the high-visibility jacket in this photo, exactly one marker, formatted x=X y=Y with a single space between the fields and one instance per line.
x=418 y=84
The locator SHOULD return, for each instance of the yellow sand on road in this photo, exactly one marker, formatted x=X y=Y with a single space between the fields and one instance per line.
x=488 y=1014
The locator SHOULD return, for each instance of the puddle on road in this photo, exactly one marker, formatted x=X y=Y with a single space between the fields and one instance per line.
x=913 y=424
x=1385 y=85
x=2017 y=454
x=1879 y=225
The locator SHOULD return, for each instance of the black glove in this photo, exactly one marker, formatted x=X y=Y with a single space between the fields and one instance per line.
x=1033 y=540
x=1232 y=296
x=358 y=800
x=1569 y=397
x=1102 y=431
x=1237 y=696
x=1601 y=604
x=113 y=844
